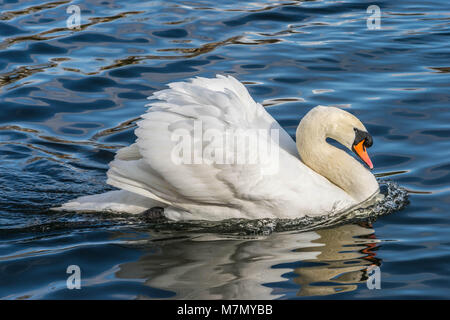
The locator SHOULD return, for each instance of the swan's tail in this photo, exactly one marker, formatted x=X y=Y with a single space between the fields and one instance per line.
x=120 y=201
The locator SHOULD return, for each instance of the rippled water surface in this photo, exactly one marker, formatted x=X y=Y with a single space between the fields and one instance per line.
x=70 y=98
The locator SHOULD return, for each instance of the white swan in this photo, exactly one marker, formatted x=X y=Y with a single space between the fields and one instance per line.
x=324 y=180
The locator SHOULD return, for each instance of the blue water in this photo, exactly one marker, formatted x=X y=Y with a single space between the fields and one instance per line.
x=70 y=98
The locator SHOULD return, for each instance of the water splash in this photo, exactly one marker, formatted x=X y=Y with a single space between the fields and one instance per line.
x=394 y=198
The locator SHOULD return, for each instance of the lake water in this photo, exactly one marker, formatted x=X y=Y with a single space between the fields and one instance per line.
x=70 y=98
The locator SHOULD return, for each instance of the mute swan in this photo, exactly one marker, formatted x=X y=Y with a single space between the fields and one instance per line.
x=323 y=180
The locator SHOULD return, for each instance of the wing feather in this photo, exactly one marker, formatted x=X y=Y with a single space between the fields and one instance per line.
x=222 y=104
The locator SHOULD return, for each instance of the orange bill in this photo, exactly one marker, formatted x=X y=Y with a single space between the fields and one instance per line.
x=360 y=150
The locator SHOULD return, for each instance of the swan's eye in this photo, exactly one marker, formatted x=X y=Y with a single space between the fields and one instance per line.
x=362 y=136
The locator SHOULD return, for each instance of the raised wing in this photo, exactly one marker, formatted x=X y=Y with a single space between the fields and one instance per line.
x=174 y=162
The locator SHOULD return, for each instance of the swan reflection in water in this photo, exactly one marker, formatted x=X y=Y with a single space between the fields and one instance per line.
x=315 y=263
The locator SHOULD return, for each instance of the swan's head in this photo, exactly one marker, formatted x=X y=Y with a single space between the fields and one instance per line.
x=340 y=125
x=330 y=162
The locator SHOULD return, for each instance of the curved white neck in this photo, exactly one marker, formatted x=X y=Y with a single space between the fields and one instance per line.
x=331 y=162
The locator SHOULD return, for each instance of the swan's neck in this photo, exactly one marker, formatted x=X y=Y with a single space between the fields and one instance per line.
x=333 y=163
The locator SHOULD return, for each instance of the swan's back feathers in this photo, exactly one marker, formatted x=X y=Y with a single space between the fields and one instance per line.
x=221 y=104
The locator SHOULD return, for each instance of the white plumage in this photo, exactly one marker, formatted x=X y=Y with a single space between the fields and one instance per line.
x=147 y=175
